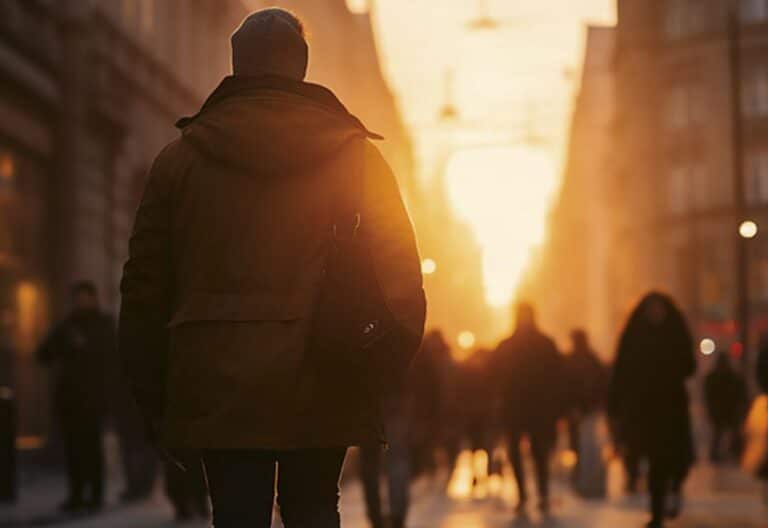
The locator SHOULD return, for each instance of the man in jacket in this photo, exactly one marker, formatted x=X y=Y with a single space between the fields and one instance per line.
x=531 y=378
x=226 y=259
x=80 y=347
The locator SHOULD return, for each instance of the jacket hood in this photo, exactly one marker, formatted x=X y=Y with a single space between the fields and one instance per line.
x=272 y=125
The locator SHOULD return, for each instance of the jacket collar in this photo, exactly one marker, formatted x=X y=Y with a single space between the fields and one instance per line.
x=233 y=86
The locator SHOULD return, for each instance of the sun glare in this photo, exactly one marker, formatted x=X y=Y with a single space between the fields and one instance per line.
x=504 y=194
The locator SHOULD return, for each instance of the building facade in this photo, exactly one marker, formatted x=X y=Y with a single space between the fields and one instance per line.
x=89 y=92
x=579 y=235
x=688 y=75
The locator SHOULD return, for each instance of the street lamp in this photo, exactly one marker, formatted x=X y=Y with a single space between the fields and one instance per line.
x=748 y=229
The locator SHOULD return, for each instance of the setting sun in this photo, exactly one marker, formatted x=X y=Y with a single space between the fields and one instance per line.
x=504 y=194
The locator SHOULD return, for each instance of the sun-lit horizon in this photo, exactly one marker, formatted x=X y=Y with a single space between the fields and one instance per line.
x=514 y=83
x=502 y=193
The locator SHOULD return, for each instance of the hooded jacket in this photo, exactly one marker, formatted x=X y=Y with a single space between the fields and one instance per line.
x=226 y=256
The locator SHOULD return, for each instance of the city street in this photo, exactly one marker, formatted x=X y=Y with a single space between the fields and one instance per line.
x=722 y=498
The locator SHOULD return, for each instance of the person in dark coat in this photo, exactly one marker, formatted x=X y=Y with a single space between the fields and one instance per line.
x=227 y=258
x=762 y=366
x=762 y=383
x=8 y=417
x=427 y=387
x=79 y=348
x=531 y=380
x=648 y=399
x=725 y=394
x=587 y=383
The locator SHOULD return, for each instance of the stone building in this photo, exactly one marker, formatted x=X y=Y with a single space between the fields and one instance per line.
x=675 y=202
x=579 y=225
x=676 y=157
x=89 y=92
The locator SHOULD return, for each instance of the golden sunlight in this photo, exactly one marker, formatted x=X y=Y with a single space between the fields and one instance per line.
x=504 y=194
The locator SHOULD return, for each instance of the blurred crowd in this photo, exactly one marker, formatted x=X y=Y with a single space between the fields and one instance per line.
x=511 y=402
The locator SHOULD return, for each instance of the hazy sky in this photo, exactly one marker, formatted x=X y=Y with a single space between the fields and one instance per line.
x=513 y=86
x=513 y=75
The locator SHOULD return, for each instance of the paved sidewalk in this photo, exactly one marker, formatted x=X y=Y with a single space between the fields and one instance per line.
x=716 y=498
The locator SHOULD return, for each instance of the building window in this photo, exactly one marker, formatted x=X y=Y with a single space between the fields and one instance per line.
x=701 y=188
x=681 y=109
x=689 y=188
x=757 y=178
x=754 y=10
x=678 y=191
x=755 y=102
x=683 y=18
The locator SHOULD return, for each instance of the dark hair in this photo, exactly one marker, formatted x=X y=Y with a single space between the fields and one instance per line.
x=84 y=286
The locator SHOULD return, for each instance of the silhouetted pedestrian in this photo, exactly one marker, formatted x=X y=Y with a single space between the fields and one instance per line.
x=649 y=401
x=394 y=464
x=531 y=380
x=476 y=391
x=587 y=383
x=587 y=391
x=274 y=288
x=80 y=347
x=427 y=387
x=762 y=383
x=7 y=415
x=725 y=393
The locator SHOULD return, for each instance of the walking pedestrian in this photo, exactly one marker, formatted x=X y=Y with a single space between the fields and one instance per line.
x=273 y=291
x=587 y=392
x=725 y=394
x=7 y=413
x=79 y=348
x=649 y=401
x=587 y=383
x=394 y=464
x=531 y=380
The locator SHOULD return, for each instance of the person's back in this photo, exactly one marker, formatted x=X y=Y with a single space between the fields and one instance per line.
x=530 y=371
x=530 y=378
x=229 y=252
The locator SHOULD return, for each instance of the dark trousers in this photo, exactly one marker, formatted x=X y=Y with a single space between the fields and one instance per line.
x=542 y=441
x=139 y=460
x=242 y=487
x=186 y=490
x=719 y=433
x=85 y=457
x=7 y=450
x=665 y=476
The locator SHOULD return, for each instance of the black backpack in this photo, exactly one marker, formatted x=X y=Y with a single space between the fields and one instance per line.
x=354 y=339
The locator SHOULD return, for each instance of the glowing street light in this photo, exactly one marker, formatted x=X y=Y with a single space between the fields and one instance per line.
x=466 y=340
x=707 y=346
x=748 y=229
x=428 y=266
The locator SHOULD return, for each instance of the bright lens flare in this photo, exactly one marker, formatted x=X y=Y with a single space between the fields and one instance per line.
x=504 y=193
x=707 y=346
